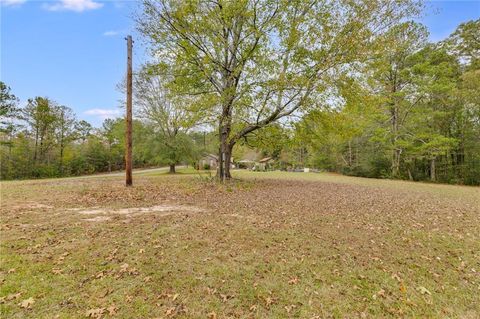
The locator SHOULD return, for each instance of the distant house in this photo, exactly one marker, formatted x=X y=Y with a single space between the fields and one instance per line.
x=211 y=161
x=265 y=164
x=246 y=163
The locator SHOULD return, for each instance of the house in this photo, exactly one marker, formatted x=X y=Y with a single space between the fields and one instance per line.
x=264 y=164
x=246 y=163
x=210 y=161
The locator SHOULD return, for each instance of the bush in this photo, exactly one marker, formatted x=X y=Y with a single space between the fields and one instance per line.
x=206 y=167
x=45 y=171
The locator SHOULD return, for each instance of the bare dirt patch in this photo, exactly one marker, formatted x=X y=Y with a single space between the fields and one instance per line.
x=98 y=219
x=162 y=210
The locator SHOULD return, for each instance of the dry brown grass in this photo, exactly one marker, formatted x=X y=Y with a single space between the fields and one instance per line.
x=269 y=245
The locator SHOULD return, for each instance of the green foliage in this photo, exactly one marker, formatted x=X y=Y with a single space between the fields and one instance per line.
x=339 y=86
x=464 y=43
x=256 y=62
x=8 y=110
x=54 y=143
x=168 y=115
x=271 y=140
x=412 y=113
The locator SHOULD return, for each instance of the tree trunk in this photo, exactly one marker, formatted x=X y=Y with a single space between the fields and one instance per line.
x=40 y=150
x=172 y=169
x=394 y=123
x=36 y=146
x=396 y=163
x=220 y=171
x=225 y=158
x=349 y=153
x=109 y=157
x=61 y=157
x=225 y=150
x=410 y=176
x=432 y=170
x=228 y=159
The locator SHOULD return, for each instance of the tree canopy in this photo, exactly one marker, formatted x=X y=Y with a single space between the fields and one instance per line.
x=261 y=61
x=346 y=86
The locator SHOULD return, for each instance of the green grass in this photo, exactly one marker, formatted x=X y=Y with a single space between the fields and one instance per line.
x=267 y=245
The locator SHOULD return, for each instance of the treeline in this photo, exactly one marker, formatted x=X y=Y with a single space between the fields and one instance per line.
x=45 y=139
x=386 y=105
x=361 y=89
x=412 y=113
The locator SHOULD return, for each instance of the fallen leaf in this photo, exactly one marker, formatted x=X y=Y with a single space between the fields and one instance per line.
x=95 y=313
x=396 y=277
x=27 y=303
x=112 y=310
x=100 y=275
x=290 y=308
x=57 y=271
x=423 y=290
x=269 y=301
x=381 y=293
x=211 y=291
x=170 y=311
x=13 y=296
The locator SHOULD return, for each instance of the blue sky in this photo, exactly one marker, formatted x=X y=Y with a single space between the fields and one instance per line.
x=73 y=51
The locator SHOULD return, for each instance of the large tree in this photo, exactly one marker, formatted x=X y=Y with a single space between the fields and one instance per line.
x=465 y=42
x=8 y=106
x=83 y=129
x=169 y=113
x=112 y=132
x=392 y=77
x=40 y=116
x=65 y=131
x=8 y=114
x=416 y=116
x=263 y=60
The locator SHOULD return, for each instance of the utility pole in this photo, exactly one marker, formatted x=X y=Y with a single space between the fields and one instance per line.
x=128 y=151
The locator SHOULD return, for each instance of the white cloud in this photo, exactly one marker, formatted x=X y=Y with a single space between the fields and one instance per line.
x=111 y=33
x=12 y=3
x=104 y=113
x=73 y=5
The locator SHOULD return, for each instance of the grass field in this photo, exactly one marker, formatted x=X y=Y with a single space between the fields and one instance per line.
x=267 y=245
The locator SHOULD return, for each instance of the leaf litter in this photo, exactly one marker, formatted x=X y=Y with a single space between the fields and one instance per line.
x=310 y=249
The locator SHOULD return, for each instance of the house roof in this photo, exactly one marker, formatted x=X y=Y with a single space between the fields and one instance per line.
x=213 y=156
x=264 y=160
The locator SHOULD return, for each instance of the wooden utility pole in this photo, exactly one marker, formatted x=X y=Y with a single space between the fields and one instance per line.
x=128 y=150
